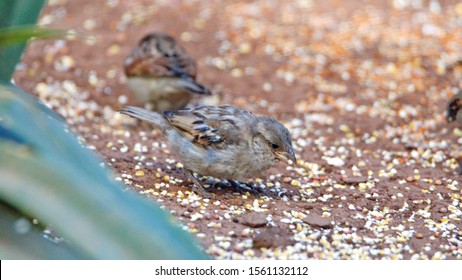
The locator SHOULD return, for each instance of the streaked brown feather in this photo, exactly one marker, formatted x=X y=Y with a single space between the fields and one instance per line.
x=159 y=55
x=210 y=126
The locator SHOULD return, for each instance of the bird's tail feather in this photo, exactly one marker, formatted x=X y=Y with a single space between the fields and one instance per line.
x=194 y=87
x=145 y=115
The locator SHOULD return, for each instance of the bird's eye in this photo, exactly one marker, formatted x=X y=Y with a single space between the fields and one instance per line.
x=274 y=146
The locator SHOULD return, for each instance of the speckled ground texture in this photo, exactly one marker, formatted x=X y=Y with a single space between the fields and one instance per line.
x=362 y=87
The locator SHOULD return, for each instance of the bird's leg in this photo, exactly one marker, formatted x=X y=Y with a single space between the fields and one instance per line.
x=197 y=185
x=243 y=186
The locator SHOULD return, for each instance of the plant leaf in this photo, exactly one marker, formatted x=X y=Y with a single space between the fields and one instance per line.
x=63 y=184
x=5 y=134
x=15 y=13
x=21 y=34
x=20 y=239
x=19 y=12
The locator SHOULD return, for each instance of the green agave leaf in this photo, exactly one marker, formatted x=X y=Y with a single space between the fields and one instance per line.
x=20 y=239
x=19 y=12
x=6 y=134
x=58 y=181
x=21 y=34
x=15 y=13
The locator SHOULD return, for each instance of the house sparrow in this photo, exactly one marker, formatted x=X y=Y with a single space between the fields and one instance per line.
x=221 y=141
x=162 y=74
x=453 y=108
x=454 y=113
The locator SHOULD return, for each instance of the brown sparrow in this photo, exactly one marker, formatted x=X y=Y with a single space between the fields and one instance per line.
x=453 y=108
x=221 y=141
x=161 y=73
x=454 y=113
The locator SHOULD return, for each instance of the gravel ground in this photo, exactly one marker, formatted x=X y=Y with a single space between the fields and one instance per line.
x=362 y=86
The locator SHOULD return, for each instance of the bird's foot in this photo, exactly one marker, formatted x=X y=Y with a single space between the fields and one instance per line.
x=198 y=187
x=243 y=188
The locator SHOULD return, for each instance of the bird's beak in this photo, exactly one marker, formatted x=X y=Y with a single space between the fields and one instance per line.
x=287 y=156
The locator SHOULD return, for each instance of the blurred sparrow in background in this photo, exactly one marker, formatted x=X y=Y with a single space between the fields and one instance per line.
x=162 y=74
x=453 y=112
x=221 y=141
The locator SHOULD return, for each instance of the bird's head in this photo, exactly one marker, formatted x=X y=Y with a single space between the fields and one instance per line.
x=277 y=137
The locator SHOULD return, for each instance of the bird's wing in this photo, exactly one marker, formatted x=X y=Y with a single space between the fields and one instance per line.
x=158 y=55
x=210 y=126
